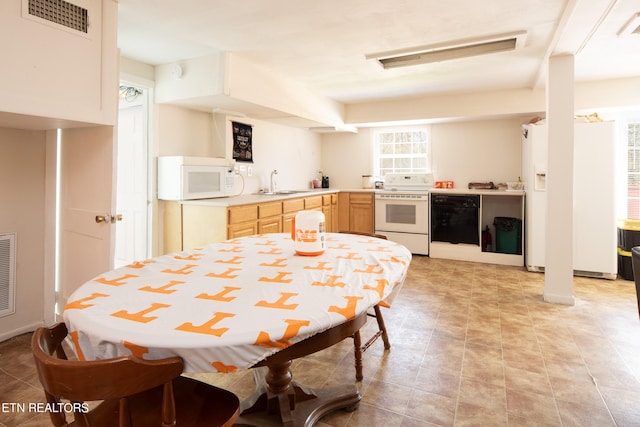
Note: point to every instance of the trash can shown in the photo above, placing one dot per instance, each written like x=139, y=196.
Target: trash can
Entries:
x=628, y=234
x=508, y=235
x=628, y=238
x=625, y=265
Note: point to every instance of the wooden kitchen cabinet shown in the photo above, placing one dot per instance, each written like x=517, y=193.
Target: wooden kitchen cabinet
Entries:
x=172, y=226
x=202, y=225
x=356, y=212
x=190, y=225
x=289, y=209
x=242, y=221
x=327, y=210
x=270, y=217
x=334, y=213
x=242, y=229
x=243, y=213
x=314, y=202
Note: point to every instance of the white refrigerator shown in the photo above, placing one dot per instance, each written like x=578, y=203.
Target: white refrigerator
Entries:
x=594, y=205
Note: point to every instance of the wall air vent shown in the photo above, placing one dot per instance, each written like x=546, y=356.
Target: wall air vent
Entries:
x=7, y=273
x=62, y=13
x=448, y=51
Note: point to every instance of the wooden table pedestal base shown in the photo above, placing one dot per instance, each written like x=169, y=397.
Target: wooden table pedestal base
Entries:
x=279, y=401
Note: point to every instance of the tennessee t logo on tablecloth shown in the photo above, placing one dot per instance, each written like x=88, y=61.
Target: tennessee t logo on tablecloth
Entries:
x=292, y=330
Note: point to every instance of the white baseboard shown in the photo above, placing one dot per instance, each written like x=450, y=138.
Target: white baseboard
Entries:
x=5, y=335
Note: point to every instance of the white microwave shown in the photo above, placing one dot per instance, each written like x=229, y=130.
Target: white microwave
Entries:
x=188, y=178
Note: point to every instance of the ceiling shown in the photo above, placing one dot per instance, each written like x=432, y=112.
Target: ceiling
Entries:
x=323, y=44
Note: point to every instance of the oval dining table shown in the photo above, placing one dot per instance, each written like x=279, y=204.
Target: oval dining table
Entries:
x=239, y=304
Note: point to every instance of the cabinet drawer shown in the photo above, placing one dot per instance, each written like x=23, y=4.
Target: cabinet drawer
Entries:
x=294, y=205
x=271, y=225
x=313, y=202
x=269, y=209
x=361, y=198
x=241, y=230
x=238, y=214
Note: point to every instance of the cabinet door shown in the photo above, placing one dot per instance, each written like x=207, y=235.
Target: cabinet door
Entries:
x=328, y=218
x=361, y=218
x=239, y=214
x=335, y=223
x=314, y=202
x=293, y=205
x=243, y=229
x=343, y=212
x=361, y=212
x=270, y=225
x=287, y=219
x=269, y=209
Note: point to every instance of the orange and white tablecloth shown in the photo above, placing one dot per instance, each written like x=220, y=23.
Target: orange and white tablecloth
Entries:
x=229, y=305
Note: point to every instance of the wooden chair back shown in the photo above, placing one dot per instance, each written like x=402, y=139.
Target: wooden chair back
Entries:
x=80, y=381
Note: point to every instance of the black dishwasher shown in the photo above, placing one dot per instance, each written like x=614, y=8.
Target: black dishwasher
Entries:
x=454, y=218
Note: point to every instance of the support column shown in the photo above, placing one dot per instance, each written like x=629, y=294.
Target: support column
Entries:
x=558, y=284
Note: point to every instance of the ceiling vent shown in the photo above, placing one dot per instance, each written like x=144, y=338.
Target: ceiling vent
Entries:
x=61, y=12
x=450, y=50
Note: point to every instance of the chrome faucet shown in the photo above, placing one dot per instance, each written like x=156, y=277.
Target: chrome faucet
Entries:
x=273, y=181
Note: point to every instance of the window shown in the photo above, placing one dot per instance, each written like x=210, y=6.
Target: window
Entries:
x=404, y=150
x=633, y=169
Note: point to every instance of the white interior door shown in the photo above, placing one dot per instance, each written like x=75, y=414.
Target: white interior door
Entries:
x=132, y=200
x=86, y=191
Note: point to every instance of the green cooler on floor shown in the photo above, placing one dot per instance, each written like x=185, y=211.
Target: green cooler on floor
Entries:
x=508, y=235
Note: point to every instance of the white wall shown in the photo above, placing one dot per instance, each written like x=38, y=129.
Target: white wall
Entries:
x=182, y=132
x=463, y=152
x=22, y=186
x=295, y=153
x=346, y=157
x=477, y=151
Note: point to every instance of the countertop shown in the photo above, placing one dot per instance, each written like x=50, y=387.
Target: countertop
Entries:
x=480, y=192
x=248, y=199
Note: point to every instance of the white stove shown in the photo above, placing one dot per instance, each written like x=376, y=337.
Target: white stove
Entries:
x=411, y=182
x=402, y=210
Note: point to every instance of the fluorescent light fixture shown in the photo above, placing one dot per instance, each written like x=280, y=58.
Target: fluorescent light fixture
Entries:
x=450, y=50
x=631, y=27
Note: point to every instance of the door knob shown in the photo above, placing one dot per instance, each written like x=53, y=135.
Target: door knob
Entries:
x=103, y=218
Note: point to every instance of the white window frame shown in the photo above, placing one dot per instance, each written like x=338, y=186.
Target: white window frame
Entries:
x=632, y=200
x=397, y=131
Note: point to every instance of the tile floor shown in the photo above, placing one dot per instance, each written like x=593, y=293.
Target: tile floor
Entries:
x=472, y=345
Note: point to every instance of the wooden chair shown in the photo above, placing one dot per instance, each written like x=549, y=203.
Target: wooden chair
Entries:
x=134, y=392
x=360, y=348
